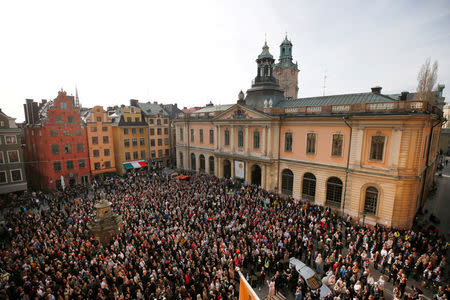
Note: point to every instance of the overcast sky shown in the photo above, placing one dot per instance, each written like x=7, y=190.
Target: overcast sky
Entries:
x=193, y=52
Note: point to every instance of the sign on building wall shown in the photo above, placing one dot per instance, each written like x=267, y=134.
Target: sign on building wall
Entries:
x=239, y=169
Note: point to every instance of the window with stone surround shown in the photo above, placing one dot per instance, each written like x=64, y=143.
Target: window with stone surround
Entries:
x=377, y=143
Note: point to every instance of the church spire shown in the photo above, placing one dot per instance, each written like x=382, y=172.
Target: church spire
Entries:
x=77, y=100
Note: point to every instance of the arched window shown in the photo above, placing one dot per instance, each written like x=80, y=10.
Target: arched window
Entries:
x=287, y=181
x=309, y=187
x=193, y=163
x=202, y=163
x=240, y=138
x=181, y=160
x=334, y=192
x=371, y=200
x=211, y=165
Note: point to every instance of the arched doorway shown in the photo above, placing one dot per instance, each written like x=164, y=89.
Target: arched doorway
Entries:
x=226, y=168
x=256, y=175
x=334, y=192
x=309, y=187
x=211, y=165
x=287, y=182
x=202, y=163
x=193, y=163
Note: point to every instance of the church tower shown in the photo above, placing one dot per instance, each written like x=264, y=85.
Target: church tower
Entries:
x=286, y=72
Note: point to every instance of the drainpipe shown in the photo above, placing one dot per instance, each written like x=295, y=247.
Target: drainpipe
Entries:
x=427, y=161
x=348, y=162
x=279, y=147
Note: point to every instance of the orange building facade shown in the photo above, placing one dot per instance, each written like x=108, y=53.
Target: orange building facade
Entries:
x=100, y=141
x=369, y=155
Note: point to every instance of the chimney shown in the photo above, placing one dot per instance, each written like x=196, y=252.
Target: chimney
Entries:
x=376, y=90
x=404, y=95
x=133, y=102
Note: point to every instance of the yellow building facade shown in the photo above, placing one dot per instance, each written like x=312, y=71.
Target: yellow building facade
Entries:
x=368, y=155
x=130, y=138
x=100, y=141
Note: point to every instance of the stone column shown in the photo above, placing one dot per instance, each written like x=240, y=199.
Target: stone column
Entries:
x=218, y=170
x=263, y=176
x=394, y=151
x=217, y=139
x=247, y=140
x=232, y=168
x=269, y=141
x=232, y=139
x=263, y=142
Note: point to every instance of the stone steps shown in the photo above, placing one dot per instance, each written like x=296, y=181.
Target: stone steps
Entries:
x=278, y=296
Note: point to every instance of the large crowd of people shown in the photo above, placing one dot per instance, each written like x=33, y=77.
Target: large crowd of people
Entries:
x=186, y=239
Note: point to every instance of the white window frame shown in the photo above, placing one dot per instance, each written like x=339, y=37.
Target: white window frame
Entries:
x=4, y=162
x=21, y=176
x=343, y=144
x=6, y=178
x=18, y=156
x=15, y=136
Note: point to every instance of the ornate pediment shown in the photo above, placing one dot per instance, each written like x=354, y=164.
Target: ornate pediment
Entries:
x=239, y=112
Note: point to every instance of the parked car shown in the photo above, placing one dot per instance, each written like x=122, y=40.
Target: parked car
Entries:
x=311, y=278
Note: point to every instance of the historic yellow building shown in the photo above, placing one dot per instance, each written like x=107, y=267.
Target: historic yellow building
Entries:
x=130, y=138
x=100, y=140
x=369, y=155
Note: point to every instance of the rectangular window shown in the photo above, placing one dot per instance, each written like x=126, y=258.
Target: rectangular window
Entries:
x=2, y=159
x=106, y=152
x=69, y=165
x=133, y=130
x=159, y=131
x=181, y=134
x=10, y=139
x=55, y=149
x=68, y=148
x=288, y=142
x=166, y=141
x=192, y=135
x=70, y=119
x=377, y=147
x=95, y=140
x=126, y=142
x=256, y=139
x=151, y=121
x=127, y=156
x=142, y=154
x=13, y=156
x=135, y=155
x=97, y=166
x=99, y=119
x=167, y=152
x=58, y=119
x=141, y=130
x=166, y=121
x=104, y=128
x=201, y=135
x=240, y=138
x=211, y=136
x=227, y=137
x=128, y=119
x=66, y=133
x=158, y=122
x=166, y=130
x=106, y=140
x=80, y=148
x=3, y=177
x=107, y=164
x=63, y=105
x=125, y=131
x=57, y=166
x=53, y=133
x=160, y=153
x=142, y=141
x=159, y=142
x=96, y=153
x=81, y=164
x=152, y=143
x=93, y=129
x=137, y=119
x=153, y=153
x=337, y=144
x=134, y=142
x=311, y=143
x=152, y=131
x=16, y=175
x=78, y=132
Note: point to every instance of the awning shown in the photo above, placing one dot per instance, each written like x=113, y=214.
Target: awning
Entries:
x=135, y=164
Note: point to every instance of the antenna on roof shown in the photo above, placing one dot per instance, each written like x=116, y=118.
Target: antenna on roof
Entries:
x=324, y=82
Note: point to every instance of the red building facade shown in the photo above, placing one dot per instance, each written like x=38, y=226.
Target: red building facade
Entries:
x=56, y=149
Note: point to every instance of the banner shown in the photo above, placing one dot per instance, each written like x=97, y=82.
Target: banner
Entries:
x=245, y=290
x=239, y=169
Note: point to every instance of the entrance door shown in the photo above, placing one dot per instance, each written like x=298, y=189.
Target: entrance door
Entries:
x=227, y=169
x=256, y=175
x=72, y=181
